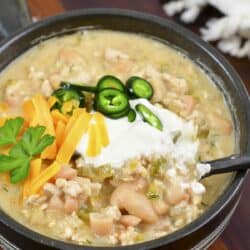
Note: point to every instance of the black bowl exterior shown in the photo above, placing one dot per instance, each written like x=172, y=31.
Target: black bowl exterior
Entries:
x=200, y=233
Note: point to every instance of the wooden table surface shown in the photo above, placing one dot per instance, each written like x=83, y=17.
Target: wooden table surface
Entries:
x=236, y=236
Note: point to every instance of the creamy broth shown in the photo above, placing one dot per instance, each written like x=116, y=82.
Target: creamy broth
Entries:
x=85, y=57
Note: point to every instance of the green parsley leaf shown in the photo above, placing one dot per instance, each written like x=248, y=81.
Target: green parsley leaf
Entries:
x=20, y=173
x=32, y=143
x=17, y=151
x=10, y=130
x=9, y=163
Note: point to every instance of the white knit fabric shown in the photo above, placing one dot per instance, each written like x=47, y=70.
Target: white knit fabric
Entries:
x=232, y=31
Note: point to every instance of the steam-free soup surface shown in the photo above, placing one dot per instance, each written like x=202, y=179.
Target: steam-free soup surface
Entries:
x=141, y=198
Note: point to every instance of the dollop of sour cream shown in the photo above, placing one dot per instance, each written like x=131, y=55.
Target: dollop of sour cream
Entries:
x=130, y=140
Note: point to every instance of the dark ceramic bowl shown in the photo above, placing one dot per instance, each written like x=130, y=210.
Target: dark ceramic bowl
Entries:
x=203, y=231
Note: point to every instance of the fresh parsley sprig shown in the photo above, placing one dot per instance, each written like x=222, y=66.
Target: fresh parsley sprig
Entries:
x=10, y=130
x=32, y=143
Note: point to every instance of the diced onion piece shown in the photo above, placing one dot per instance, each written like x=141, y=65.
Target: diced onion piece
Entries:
x=101, y=224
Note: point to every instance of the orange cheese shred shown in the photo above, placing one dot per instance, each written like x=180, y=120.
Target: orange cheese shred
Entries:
x=94, y=140
x=58, y=116
x=29, y=113
x=44, y=118
x=72, y=120
x=103, y=132
x=51, y=101
x=68, y=106
x=60, y=128
x=44, y=177
x=35, y=169
x=73, y=136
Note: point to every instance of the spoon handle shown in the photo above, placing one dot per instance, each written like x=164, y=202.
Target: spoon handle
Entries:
x=229, y=164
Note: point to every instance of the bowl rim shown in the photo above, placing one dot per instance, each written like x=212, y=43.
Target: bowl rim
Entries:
x=225, y=198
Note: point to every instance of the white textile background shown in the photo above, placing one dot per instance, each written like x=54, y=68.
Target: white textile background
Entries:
x=232, y=30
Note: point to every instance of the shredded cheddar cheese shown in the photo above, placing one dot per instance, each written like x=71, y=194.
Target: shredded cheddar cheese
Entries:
x=97, y=135
x=99, y=118
x=73, y=136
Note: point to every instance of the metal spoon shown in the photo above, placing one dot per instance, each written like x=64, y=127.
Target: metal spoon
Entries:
x=228, y=164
